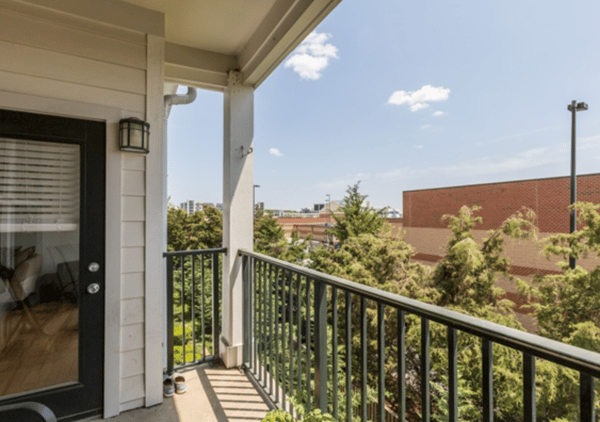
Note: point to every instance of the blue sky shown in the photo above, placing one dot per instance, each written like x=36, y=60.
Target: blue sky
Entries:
x=409, y=95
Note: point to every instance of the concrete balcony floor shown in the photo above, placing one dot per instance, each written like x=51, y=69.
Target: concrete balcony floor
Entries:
x=213, y=395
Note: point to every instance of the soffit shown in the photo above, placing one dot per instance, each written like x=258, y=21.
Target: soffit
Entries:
x=222, y=26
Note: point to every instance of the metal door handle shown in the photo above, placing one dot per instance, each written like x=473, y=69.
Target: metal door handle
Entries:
x=93, y=288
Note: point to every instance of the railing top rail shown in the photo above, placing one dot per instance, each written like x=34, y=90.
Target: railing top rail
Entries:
x=195, y=252
x=564, y=354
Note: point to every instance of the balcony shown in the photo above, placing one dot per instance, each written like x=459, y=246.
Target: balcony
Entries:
x=317, y=341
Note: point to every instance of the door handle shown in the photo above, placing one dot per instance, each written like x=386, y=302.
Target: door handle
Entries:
x=93, y=288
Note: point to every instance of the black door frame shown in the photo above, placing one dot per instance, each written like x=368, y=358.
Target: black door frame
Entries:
x=86, y=397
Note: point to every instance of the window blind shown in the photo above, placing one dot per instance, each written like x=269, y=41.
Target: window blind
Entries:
x=39, y=186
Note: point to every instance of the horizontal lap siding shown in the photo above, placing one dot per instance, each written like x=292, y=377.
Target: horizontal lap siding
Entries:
x=58, y=61
x=61, y=57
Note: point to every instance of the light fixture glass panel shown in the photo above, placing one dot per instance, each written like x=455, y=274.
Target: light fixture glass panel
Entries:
x=136, y=136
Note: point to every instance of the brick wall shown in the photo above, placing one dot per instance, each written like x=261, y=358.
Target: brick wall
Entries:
x=549, y=198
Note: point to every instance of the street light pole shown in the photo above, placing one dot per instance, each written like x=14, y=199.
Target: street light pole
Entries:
x=574, y=107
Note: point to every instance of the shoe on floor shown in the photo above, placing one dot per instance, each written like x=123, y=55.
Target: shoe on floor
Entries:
x=168, y=388
x=180, y=386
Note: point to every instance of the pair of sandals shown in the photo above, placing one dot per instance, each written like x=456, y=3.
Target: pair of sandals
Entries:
x=172, y=386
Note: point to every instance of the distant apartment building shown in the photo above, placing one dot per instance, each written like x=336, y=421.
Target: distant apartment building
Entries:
x=260, y=206
x=190, y=206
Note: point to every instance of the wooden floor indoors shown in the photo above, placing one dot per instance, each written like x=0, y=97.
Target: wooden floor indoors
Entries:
x=35, y=359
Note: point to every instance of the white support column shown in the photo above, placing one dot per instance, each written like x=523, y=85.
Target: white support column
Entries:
x=237, y=209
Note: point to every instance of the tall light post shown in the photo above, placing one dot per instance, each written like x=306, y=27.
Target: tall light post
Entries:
x=254, y=198
x=574, y=107
x=328, y=217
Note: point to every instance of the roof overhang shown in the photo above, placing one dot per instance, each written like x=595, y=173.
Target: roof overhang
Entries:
x=205, y=39
x=280, y=30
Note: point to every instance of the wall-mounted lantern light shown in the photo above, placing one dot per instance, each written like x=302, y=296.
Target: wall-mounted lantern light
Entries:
x=134, y=135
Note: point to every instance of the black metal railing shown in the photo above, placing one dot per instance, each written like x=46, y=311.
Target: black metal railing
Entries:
x=193, y=306
x=296, y=349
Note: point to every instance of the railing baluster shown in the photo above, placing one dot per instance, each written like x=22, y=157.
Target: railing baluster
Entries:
x=308, y=347
x=529, y=387
x=246, y=309
x=202, y=318
x=183, y=308
x=170, y=316
x=363, y=357
x=488, y=380
x=348, y=356
x=299, y=331
x=283, y=377
x=586, y=397
x=215, y=301
x=381, y=359
x=320, y=345
x=452, y=376
x=270, y=323
x=264, y=323
x=275, y=371
x=256, y=292
x=334, y=345
x=425, y=398
x=193, y=257
x=401, y=366
x=291, y=335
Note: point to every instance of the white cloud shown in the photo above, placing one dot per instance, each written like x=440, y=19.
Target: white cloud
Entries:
x=312, y=56
x=275, y=152
x=418, y=106
x=421, y=98
x=438, y=113
x=423, y=127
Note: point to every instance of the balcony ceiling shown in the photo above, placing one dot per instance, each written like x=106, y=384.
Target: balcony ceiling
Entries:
x=220, y=26
x=205, y=39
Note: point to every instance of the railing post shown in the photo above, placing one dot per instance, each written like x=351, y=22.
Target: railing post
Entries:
x=170, y=315
x=215, y=311
x=321, y=345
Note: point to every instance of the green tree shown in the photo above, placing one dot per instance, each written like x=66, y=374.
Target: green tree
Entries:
x=463, y=281
x=567, y=307
x=269, y=239
x=570, y=301
x=467, y=274
x=200, y=230
x=357, y=218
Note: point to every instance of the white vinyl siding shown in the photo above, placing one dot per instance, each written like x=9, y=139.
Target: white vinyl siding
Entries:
x=60, y=57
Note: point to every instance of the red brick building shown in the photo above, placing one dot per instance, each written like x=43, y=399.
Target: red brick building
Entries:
x=549, y=198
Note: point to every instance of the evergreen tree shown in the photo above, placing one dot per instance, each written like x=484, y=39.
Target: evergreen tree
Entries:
x=200, y=230
x=356, y=218
x=269, y=239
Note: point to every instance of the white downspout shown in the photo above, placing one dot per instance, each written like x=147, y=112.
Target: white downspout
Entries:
x=171, y=100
